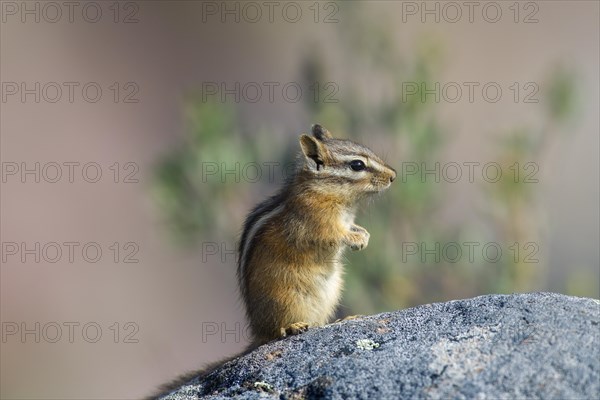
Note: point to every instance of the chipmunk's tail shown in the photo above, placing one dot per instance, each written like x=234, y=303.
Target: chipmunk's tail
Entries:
x=168, y=387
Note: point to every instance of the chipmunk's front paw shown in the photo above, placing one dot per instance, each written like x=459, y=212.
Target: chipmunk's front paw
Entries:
x=294, y=329
x=357, y=238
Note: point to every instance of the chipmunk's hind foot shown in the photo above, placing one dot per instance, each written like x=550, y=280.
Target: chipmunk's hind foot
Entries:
x=294, y=329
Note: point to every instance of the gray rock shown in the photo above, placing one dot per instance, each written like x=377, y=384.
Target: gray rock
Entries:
x=521, y=346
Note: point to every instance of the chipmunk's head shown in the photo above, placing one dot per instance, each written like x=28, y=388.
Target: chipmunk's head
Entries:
x=344, y=166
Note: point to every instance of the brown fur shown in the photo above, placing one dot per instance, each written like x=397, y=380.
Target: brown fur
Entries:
x=292, y=277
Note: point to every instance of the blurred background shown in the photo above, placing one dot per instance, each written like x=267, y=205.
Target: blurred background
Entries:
x=135, y=137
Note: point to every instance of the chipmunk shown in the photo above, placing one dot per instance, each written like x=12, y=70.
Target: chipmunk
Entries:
x=289, y=267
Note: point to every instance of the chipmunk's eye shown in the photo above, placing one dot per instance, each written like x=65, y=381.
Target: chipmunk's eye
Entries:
x=357, y=165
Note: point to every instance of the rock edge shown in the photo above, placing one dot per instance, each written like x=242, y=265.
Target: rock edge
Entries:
x=536, y=345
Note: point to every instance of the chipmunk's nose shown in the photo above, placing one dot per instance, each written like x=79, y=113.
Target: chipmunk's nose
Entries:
x=393, y=176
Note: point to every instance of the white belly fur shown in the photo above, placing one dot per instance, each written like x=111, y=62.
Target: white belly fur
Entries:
x=328, y=289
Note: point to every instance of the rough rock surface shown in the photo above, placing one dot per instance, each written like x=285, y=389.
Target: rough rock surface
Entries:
x=522, y=346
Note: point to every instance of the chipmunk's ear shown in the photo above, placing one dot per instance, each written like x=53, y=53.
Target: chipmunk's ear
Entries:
x=320, y=132
x=313, y=151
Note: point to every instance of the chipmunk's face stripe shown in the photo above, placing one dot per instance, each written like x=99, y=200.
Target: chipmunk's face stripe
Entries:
x=341, y=166
x=252, y=232
x=352, y=157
